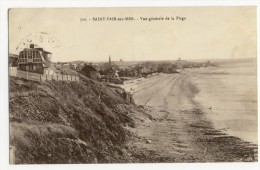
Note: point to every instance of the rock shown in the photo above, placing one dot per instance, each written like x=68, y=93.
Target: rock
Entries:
x=95, y=160
x=148, y=141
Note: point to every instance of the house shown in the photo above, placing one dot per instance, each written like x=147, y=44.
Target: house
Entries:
x=112, y=76
x=66, y=65
x=73, y=66
x=90, y=72
x=111, y=73
x=34, y=59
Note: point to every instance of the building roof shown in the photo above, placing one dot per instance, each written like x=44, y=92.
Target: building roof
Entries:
x=13, y=56
x=36, y=49
x=88, y=68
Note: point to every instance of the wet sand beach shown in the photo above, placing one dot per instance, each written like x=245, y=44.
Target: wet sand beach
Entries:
x=180, y=127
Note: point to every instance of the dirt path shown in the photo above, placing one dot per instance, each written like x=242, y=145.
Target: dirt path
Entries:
x=178, y=130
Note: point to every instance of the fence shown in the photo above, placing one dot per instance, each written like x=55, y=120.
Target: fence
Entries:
x=12, y=155
x=41, y=77
x=12, y=71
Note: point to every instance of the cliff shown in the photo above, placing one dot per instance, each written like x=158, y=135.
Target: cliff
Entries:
x=69, y=122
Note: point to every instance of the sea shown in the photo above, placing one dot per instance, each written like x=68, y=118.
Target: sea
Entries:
x=228, y=96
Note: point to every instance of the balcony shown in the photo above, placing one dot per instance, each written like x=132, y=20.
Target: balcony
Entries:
x=29, y=60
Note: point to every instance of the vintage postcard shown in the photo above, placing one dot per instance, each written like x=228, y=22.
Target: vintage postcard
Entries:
x=133, y=85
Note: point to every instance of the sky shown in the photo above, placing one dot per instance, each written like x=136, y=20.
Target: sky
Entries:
x=205, y=33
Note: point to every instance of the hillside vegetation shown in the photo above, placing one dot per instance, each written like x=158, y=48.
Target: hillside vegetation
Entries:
x=69, y=122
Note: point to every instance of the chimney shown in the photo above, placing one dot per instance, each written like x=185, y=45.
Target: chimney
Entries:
x=31, y=45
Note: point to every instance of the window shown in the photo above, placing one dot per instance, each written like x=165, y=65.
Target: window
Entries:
x=30, y=55
x=34, y=67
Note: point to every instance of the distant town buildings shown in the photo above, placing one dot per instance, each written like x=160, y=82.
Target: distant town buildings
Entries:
x=36, y=59
x=111, y=71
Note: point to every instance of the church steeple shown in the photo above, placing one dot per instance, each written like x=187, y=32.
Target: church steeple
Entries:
x=109, y=60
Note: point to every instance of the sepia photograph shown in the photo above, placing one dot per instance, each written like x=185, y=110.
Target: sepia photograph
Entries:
x=97, y=85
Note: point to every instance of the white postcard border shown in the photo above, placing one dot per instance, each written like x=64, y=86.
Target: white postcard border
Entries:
x=4, y=115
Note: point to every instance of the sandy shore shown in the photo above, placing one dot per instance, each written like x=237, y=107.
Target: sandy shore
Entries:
x=178, y=129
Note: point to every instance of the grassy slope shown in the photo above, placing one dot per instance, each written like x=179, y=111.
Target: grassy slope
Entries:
x=68, y=122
